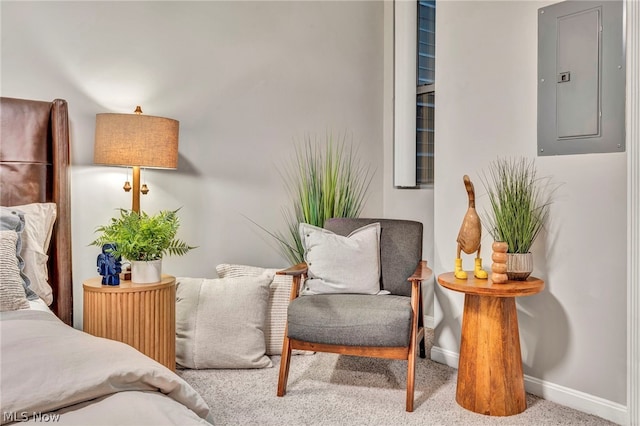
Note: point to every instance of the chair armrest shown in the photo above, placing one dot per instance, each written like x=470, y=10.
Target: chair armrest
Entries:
x=295, y=270
x=421, y=273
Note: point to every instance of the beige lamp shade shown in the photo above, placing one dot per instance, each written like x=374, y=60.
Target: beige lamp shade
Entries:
x=136, y=140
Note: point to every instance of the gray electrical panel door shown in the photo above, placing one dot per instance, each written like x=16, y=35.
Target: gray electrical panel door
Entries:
x=581, y=78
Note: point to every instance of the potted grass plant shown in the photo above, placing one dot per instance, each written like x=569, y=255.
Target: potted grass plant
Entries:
x=324, y=180
x=143, y=240
x=519, y=207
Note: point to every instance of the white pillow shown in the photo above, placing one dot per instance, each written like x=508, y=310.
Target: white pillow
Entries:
x=39, y=305
x=220, y=322
x=279, y=295
x=339, y=264
x=36, y=236
x=12, y=294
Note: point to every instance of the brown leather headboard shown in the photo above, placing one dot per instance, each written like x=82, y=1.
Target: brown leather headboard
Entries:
x=34, y=168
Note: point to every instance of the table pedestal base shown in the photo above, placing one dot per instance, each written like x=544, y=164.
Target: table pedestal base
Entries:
x=490, y=379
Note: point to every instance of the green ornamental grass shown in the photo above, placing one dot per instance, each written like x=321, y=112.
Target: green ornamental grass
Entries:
x=519, y=202
x=324, y=180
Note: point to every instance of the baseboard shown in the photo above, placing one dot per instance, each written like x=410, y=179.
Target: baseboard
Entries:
x=568, y=397
x=444, y=356
x=429, y=321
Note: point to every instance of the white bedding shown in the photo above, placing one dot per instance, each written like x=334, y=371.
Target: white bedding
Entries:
x=49, y=367
x=39, y=305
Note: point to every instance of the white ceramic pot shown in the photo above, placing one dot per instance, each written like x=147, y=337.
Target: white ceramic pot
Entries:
x=146, y=272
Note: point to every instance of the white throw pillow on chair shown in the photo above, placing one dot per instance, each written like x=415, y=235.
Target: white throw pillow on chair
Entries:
x=339, y=264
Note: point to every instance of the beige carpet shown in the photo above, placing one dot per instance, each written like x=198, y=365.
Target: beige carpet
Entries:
x=328, y=389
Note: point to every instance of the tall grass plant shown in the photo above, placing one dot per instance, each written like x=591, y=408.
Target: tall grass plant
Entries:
x=519, y=202
x=324, y=179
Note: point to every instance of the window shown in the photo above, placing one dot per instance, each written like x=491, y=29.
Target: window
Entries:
x=413, y=92
x=425, y=92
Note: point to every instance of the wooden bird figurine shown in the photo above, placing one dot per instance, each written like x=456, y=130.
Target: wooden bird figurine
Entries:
x=469, y=236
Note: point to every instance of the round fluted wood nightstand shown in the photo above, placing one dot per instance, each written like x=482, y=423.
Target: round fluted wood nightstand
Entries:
x=140, y=315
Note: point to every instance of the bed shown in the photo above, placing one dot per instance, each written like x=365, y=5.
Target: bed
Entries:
x=49, y=371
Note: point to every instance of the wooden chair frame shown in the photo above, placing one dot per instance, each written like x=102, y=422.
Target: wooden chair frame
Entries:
x=422, y=272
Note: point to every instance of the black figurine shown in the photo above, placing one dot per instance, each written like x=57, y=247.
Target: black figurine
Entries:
x=109, y=266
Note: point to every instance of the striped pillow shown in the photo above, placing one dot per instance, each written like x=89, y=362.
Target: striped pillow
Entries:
x=279, y=293
x=12, y=294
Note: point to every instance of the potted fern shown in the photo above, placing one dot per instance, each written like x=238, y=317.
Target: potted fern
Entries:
x=519, y=208
x=143, y=240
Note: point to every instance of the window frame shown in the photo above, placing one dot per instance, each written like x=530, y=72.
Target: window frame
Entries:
x=405, y=94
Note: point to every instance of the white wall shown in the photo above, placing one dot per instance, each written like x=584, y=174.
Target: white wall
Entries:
x=574, y=333
x=245, y=79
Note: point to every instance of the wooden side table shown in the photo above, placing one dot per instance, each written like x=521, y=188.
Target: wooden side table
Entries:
x=490, y=378
x=141, y=315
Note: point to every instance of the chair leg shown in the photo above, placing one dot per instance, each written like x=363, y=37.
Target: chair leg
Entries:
x=416, y=321
x=284, y=366
x=423, y=349
x=411, y=375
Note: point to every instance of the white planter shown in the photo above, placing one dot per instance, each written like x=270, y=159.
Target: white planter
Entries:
x=146, y=272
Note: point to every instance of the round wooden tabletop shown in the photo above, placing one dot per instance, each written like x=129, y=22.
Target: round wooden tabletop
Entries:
x=473, y=285
x=95, y=285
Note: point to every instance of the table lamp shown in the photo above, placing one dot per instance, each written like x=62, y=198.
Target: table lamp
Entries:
x=136, y=140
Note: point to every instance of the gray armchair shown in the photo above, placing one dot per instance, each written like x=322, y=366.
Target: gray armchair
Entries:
x=389, y=326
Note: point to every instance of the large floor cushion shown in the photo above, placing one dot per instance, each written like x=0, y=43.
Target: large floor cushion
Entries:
x=279, y=295
x=220, y=322
x=348, y=319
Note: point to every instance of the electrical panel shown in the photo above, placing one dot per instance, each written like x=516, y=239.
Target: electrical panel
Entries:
x=581, y=78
